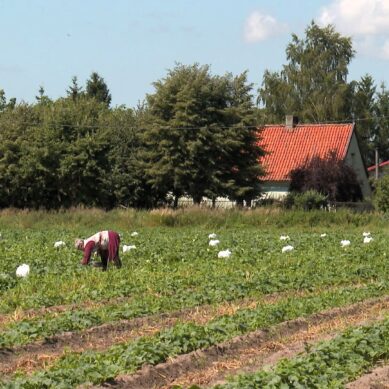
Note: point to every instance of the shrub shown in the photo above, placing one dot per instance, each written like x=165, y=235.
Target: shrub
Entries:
x=307, y=201
x=382, y=194
x=329, y=176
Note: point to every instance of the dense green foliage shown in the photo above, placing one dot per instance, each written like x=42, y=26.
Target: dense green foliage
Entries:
x=382, y=194
x=308, y=200
x=313, y=84
x=201, y=136
x=195, y=136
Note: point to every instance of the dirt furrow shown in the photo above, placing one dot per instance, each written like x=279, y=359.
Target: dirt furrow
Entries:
x=378, y=378
x=39, y=354
x=252, y=351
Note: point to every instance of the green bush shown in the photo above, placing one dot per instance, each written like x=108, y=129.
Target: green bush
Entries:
x=311, y=199
x=382, y=194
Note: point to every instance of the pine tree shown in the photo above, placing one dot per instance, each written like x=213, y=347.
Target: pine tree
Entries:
x=97, y=88
x=74, y=91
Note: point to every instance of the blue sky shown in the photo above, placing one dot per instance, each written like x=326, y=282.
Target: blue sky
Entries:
x=131, y=44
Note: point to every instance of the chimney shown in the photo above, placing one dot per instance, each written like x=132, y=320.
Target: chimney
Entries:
x=291, y=121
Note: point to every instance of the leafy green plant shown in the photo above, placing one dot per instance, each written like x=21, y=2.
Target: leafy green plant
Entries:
x=381, y=197
x=307, y=201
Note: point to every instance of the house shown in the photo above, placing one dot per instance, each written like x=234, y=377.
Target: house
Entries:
x=383, y=169
x=290, y=145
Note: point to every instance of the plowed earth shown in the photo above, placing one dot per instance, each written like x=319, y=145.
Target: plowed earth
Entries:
x=206, y=367
x=253, y=351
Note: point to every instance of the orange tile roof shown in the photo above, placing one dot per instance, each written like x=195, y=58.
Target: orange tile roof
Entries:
x=288, y=148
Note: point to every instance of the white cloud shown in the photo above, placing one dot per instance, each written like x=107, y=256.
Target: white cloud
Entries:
x=259, y=27
x=385, y=50
x=367, y=21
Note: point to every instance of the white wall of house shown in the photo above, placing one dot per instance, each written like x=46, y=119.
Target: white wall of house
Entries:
x=354, y=159
x=275, y=189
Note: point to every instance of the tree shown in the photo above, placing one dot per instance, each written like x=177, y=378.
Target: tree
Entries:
x=97, y=88
x=382, y=195
x=329, y=176
x=381, y=136
x=74, y=91
x=242, y=177
x=11, y=103
x=3, y=100
x=364, y=109
x=196, y=135
x=313, y=85
x=42, y=98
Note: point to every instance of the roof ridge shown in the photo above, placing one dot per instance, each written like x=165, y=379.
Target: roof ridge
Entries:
x=310, y=124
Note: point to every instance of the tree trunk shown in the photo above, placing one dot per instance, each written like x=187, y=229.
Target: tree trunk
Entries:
x=197, y=199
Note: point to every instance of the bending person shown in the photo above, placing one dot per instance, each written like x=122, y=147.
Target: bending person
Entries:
x=104, y=243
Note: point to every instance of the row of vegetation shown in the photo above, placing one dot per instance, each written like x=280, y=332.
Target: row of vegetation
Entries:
x=172, y=270
x=330, y=364
x=196, y=134
x=97, y=367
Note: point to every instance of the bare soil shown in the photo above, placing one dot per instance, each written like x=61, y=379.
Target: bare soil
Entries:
x=378, y=378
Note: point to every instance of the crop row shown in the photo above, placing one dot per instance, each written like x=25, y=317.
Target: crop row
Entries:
x=97, y=367
x=330, y=364
x=29, y=330
x=181, y=265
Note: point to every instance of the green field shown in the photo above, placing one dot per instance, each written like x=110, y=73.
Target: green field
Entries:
x=173, y=268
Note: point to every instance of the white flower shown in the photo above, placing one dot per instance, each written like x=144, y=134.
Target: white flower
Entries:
x=214, y=242
x=323, y=235
x=287, y=248
x=366, y=234
x=284, y=237
x=345, y=243
x=22, y=270
x=59, y=244
x=212, y=236
x=134, y=234
x=367, y=239
x=128, y=248
x=224, y=254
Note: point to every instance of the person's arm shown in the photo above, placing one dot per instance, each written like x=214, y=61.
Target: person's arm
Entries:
x=88, y=249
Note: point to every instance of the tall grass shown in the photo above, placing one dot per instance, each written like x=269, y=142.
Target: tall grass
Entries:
x=127, y=219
